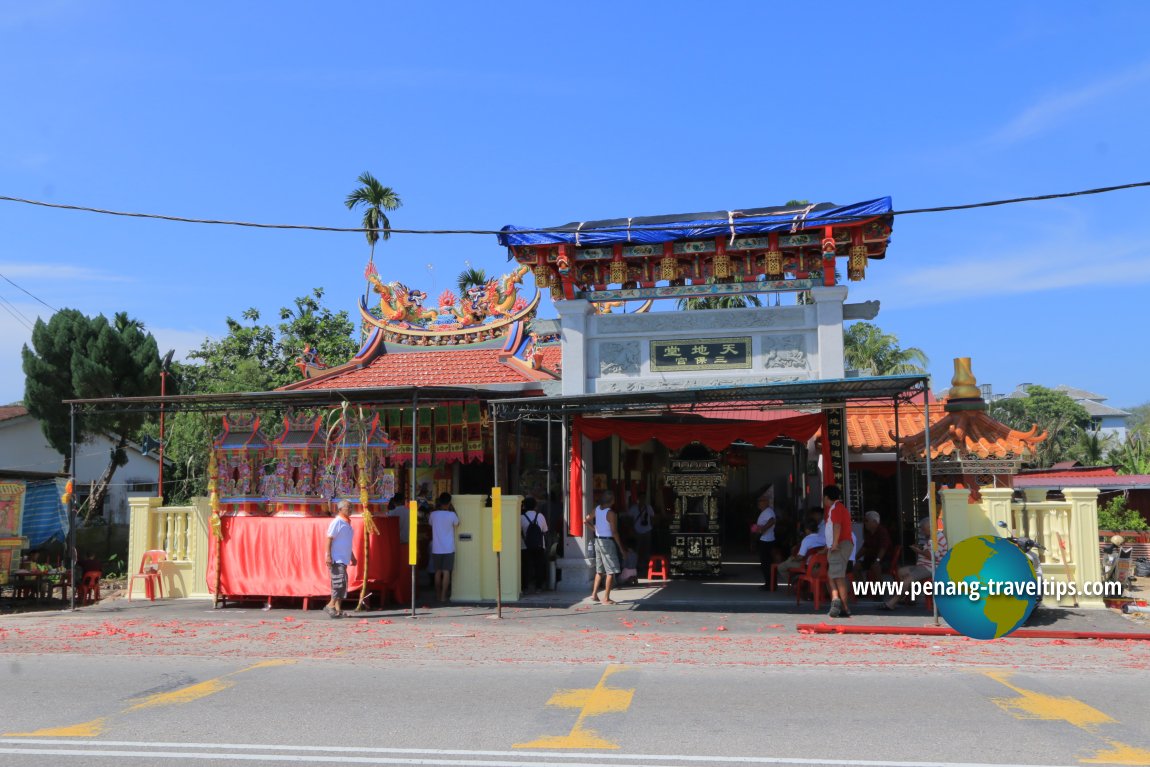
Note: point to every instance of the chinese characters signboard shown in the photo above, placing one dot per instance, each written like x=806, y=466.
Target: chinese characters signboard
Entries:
x=701, y=354
x=836, y=446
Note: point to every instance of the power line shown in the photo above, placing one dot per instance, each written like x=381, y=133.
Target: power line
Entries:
x=17, y=315
x=808, y=221
x=13, y=284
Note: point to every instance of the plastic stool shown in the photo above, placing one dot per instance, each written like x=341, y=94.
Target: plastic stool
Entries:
x=657, y=568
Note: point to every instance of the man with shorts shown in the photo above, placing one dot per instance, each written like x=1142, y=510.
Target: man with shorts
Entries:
x=339, y=556
x=443, y=522
x=608, y=548
x=840, y=545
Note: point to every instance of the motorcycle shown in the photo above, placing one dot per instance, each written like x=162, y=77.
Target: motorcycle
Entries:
x=1030, y=548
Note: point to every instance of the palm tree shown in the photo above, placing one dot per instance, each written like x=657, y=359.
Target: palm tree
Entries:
x=690, y=303
x=374, y=198
x=470, y=278
x=869, y=350
x=1132, y=456
x=1092, y=447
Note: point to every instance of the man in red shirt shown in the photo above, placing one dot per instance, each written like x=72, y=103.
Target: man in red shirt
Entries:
x=840, y=544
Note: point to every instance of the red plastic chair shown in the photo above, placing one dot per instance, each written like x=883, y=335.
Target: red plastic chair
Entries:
x=815, y=576
x=88, y=589
x=150, y=573
x=657, y=568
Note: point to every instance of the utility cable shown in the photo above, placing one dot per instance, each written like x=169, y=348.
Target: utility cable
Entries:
x=808, y=221
x=17, y=315
x=13, y=284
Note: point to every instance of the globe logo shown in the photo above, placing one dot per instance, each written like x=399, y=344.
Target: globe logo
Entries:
x=985, y=587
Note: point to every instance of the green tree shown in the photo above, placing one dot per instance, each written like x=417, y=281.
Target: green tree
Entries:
x=1139, y=421
x=77, y=357
x=470, y=278
x=1092, y=447
x=1114, y=516
x=259, y=357
x=374, y=198
x=691, y=303
x=1063, y=420
x=1132, y=456
x=869, y=350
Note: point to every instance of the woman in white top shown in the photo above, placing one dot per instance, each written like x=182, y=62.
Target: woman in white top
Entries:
x=765, y=527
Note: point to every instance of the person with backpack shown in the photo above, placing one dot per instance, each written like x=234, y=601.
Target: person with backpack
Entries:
x=533, y=546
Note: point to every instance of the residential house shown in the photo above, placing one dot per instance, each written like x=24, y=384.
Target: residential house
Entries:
x=24, y=448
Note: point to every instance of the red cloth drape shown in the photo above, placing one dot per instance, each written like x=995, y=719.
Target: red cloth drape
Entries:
x=575, y=483
x=715, y=435
x=284, y=557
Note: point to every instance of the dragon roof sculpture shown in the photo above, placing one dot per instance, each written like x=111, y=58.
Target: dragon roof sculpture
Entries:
x=482, y=313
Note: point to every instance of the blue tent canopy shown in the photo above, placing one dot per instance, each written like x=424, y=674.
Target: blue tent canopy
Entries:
x=693, y=226
x=45, y=518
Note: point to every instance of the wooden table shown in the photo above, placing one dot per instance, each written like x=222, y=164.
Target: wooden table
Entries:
x=36, y=580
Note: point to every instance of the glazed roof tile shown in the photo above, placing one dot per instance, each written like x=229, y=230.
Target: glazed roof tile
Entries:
x=8, y=412
x=446, y=367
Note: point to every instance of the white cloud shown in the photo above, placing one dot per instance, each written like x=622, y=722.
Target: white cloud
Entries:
x=1050, y=111
x=1070, y=262
x=42, y=271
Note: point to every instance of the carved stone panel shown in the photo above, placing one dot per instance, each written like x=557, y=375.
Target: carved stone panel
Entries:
x=786, y=352
x=619, y=358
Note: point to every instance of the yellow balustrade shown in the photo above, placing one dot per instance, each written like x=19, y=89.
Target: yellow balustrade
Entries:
x=1072, y=521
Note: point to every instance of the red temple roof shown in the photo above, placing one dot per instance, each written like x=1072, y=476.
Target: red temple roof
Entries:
x=447, y=367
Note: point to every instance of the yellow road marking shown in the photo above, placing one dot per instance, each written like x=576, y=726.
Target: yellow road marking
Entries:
x=189, y=694
x=596, y=701
x=83, y=730
x=1035, y=705
x=1120, y=753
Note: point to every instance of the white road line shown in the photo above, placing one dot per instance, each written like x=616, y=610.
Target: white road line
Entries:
x=344, y=754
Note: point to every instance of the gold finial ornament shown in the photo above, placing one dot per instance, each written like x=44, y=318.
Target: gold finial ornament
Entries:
x=963, y=385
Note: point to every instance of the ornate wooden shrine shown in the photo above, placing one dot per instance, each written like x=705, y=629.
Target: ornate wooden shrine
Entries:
x=695, y=477
x=785, y=248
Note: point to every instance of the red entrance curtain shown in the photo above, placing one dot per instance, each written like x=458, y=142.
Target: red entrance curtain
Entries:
x=715, y=435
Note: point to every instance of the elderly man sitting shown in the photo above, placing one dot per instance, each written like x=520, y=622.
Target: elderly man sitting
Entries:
x=874, y=556
x=921, y=569
x=813, y=541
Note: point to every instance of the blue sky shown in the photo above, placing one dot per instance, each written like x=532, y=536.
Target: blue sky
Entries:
x=485, y=114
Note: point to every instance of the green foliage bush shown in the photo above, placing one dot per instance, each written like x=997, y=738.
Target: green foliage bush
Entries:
x=1115, y=516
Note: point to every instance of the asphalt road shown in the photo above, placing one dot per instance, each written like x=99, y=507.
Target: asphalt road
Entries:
x=600, y=688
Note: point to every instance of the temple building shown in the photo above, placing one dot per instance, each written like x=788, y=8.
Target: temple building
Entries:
x=698, y=411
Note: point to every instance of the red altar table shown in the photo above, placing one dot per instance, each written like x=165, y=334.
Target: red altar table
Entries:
x=285, y=557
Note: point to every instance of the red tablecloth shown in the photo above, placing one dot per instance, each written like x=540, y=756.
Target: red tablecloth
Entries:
x=284, y=557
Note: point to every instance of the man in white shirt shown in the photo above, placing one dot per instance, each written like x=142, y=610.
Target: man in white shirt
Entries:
x=765, y=528
x=812, y=541
x=340, y=554
x=443, y=522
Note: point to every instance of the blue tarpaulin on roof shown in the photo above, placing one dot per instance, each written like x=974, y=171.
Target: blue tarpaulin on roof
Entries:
x=45, y=518
x=692, y=226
